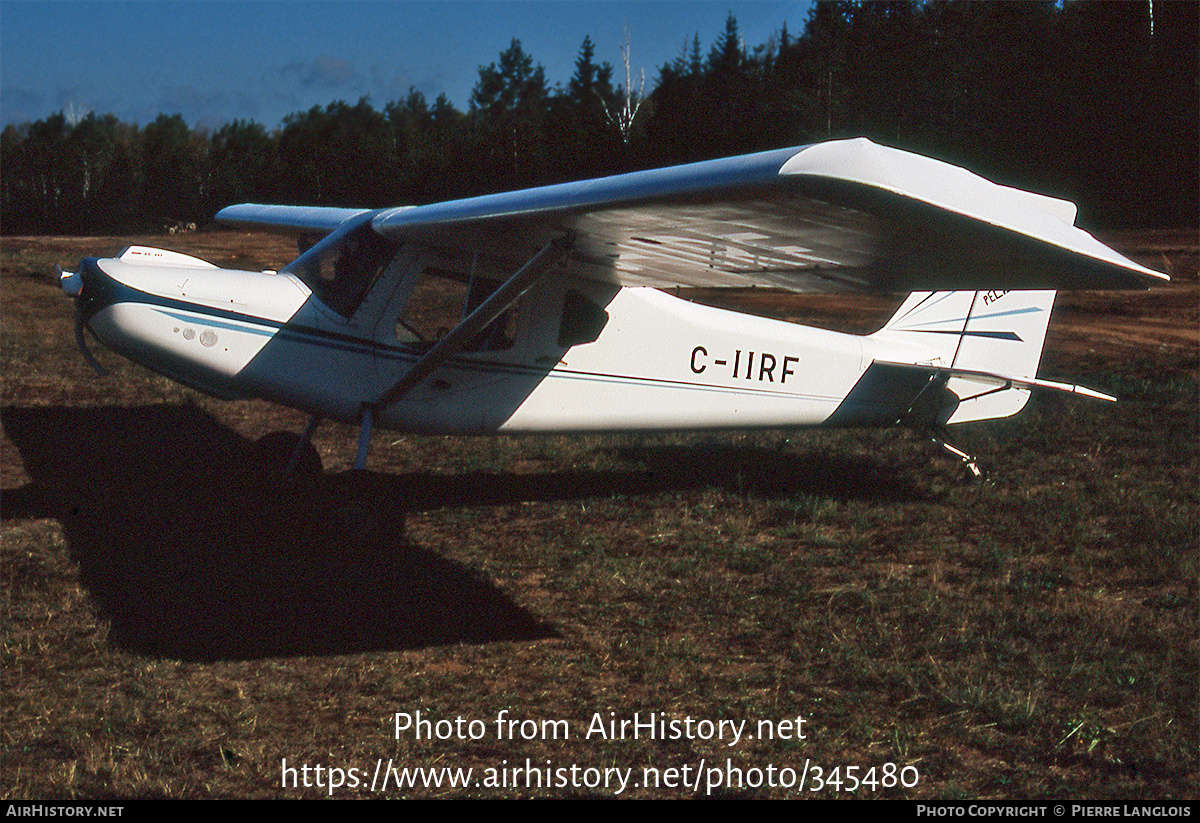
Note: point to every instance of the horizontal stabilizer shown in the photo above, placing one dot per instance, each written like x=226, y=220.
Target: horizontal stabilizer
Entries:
x=999, y=382
x=929, y=397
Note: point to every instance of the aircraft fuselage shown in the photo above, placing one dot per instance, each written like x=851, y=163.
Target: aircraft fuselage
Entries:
x=579, y=355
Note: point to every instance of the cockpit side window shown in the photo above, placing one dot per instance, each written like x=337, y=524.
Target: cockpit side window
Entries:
x=437, y=303
x=434, y=306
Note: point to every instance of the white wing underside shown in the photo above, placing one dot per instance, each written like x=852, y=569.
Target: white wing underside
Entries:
x=843, y=215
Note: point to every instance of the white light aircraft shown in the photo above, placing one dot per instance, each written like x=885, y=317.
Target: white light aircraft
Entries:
x=542, y=311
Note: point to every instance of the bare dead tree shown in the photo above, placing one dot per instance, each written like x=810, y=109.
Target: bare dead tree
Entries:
x=622, y=119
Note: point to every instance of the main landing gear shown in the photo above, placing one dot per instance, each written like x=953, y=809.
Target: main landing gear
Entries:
x=289, y=456
x=292, y=457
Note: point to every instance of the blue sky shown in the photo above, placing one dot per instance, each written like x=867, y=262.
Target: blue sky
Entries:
x=217, y=60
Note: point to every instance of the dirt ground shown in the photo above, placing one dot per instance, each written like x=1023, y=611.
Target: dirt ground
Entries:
x=865, y=622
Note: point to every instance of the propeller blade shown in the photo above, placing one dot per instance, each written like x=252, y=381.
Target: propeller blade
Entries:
x=82, y=343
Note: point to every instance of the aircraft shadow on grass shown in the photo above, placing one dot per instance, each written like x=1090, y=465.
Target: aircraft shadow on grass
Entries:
x=193, y=553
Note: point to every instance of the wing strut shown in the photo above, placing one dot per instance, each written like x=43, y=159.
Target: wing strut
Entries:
x=461, y=335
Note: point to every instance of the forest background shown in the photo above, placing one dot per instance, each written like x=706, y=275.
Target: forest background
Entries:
x=1089, y=100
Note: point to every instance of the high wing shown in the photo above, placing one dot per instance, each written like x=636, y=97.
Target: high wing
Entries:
x=841, y=215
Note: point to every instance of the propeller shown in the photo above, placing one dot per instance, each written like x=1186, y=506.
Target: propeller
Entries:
x=71, y=282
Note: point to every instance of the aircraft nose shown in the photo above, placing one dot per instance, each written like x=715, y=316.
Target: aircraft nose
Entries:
x=88, y=286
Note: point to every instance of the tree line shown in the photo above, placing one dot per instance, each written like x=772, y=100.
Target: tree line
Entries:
x=1089, y=100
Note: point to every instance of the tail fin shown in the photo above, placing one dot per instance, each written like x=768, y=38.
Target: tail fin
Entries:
x=992, y=333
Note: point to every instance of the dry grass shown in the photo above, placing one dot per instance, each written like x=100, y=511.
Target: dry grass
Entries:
x=174, y=626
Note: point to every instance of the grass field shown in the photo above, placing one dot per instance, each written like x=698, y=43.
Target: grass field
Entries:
x=176, y=626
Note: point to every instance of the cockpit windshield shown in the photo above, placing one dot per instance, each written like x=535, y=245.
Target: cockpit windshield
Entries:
x=342, y=268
